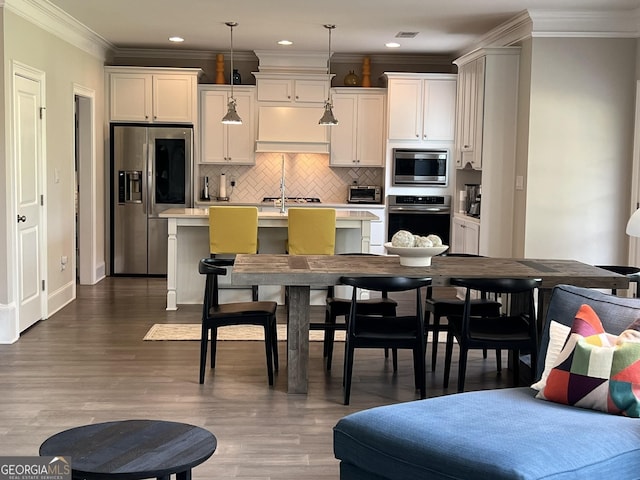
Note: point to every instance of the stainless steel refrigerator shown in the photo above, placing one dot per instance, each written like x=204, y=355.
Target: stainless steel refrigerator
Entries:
x=151, y=172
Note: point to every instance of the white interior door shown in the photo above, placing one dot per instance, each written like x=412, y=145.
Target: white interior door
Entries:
x=28, y=142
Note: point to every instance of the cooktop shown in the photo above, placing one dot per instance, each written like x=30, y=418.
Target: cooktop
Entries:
x=292, y=199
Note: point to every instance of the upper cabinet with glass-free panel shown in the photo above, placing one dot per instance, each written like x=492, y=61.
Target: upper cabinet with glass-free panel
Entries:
x=299, y=88
x=358, y=139
x=421, y=107
x=227, y=144
x=162, y=95
x=470, y=114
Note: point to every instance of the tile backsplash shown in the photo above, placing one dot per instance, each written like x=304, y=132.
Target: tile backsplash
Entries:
x=306, y=175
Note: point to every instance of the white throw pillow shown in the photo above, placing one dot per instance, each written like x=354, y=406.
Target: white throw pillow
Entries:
x=558, y=334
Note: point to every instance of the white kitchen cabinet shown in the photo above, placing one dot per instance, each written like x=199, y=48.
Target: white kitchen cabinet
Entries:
x=358, y=139
x=227, y=144
x=491, y=140
x=466, y=235
x=421, y=107
x=291, y=90
x=470, y=109
x=149, y=95
x=378, y=227
x=289, y=107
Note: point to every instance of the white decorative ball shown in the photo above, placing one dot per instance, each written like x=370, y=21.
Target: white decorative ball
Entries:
x=402, y=238
x=423, y=242
x=435, y=240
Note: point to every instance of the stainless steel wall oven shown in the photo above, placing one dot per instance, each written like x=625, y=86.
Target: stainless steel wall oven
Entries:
x=420, y=215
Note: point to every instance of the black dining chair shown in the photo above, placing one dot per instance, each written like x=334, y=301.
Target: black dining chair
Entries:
x=216, y=314
x=439, y=307
x=382, y=331
x=338, y=307
x=514, y=331
x=632, y=273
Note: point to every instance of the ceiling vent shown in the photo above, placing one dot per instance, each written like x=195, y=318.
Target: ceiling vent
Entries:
x=406, y=34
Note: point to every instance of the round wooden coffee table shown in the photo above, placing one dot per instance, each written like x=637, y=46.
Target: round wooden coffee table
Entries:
x=132, y=449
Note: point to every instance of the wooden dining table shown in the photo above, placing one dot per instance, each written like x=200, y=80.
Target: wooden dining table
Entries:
x=301, y=272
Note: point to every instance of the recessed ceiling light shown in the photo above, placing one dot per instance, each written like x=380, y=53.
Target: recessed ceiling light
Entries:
x=176, y=39
x=392, y=45
x=285, y=42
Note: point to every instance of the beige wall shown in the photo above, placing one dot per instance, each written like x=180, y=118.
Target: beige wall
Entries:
x=64, y=66
x=247, y=62
x=580, y=149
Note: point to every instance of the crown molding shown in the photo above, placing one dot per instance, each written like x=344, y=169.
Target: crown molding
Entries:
x=246, y=56
x=510, y=32
x=393, y=59
x=609, y=24
x=57, y=22
x=561, y=24
x=202, y=55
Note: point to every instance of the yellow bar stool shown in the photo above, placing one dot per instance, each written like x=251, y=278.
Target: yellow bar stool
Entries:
x=311, y=231
x=233, y=230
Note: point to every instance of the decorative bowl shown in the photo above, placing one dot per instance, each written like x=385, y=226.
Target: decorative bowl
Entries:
x=415, y=256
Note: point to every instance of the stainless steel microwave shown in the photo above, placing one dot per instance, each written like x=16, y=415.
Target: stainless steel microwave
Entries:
x=420, y=167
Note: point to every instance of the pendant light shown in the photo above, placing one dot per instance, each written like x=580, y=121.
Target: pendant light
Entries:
x=328, y=117
x=232, y=117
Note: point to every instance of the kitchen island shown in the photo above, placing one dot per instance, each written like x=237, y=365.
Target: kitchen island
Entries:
x=187, y=245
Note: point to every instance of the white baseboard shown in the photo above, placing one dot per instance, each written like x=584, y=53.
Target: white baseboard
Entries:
x=60, y=298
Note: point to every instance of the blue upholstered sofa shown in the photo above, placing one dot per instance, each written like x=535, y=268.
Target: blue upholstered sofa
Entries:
x=498, y=434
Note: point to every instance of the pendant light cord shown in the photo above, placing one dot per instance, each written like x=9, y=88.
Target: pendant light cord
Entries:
x=329, y=27
x=231, y=25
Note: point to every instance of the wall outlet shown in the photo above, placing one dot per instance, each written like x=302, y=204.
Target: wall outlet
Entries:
x=233, y=182
x=63, y=263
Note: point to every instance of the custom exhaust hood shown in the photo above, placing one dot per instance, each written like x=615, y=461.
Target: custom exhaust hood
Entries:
x=291, y=91
x=291, y=130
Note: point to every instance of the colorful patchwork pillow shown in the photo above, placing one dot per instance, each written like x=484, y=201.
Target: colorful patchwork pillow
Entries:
x=597, y=370
x=558, y=333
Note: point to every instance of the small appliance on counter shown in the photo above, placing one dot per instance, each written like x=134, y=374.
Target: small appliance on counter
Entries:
x=205, y=190
x=364, y=194
x=474, y=194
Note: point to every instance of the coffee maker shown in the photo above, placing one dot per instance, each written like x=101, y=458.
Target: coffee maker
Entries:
x=474, y=194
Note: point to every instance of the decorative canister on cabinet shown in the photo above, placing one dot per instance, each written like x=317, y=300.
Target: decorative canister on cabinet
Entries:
x=237, y=79
x=219, y=68
x=366, y=72
x=351, y=79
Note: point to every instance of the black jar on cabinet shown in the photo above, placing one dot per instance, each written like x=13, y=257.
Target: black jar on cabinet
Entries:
x=237, y=79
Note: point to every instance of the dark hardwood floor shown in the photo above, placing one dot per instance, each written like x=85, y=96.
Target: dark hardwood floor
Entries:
x=88, y=363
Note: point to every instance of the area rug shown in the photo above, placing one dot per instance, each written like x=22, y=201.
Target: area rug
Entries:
x=191, y=331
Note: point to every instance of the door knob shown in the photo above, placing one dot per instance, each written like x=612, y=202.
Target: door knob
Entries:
x=22, y=218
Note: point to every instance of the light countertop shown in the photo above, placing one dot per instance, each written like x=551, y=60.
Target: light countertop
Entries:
x=204, y=213
x=372, y=206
